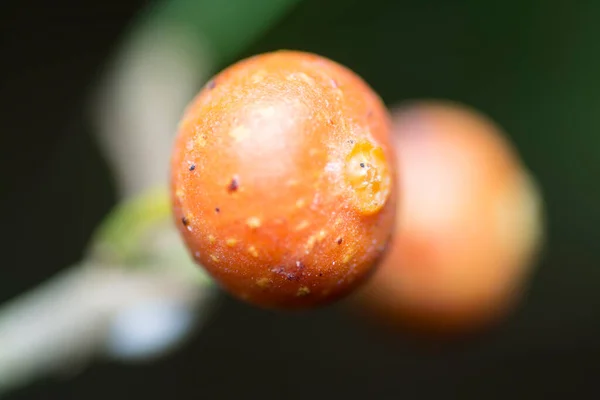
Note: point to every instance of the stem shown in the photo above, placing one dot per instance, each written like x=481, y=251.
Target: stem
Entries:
x=67, y=319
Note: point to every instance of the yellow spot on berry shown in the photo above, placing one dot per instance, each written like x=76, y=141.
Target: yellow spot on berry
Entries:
x=263, y=283
x=302, y=225
x=214, y=258
x=201, y=140
x=310, y=243
x=302, y=76
x=303, y=291
x=211, y=239
x=347, y=257
x=258, y=77
x=253, y=222
x=300, y=203
x=253, y=252
x=369, y=177
x=231, y=242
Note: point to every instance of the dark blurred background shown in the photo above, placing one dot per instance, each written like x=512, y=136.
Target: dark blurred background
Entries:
x=531, y=65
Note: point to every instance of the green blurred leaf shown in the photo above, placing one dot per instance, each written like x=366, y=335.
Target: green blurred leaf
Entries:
x=227, y=26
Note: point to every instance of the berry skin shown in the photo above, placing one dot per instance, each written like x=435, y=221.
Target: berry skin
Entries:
x=292, y=197
x=469, y=228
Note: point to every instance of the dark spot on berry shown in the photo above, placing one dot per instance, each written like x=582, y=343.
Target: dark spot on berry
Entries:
x=300, y=264
x=185, y=221
x=211, y=84
x=290, y=276
x=362, y=164
x=320, y=274
x=369, y=113
x=217, y=210
x=339, y=240
x=351, y=141
x=192, y=167
x=234, y=184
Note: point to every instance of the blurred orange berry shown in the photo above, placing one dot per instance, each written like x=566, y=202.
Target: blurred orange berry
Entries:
x=469, y=227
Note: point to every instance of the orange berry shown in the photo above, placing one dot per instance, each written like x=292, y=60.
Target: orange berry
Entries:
x=468, y=229
x=283, y=179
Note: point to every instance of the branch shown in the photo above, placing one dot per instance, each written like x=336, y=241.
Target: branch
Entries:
x=68, y=319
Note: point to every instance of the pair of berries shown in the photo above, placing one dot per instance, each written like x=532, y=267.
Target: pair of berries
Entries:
x=290, y=180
